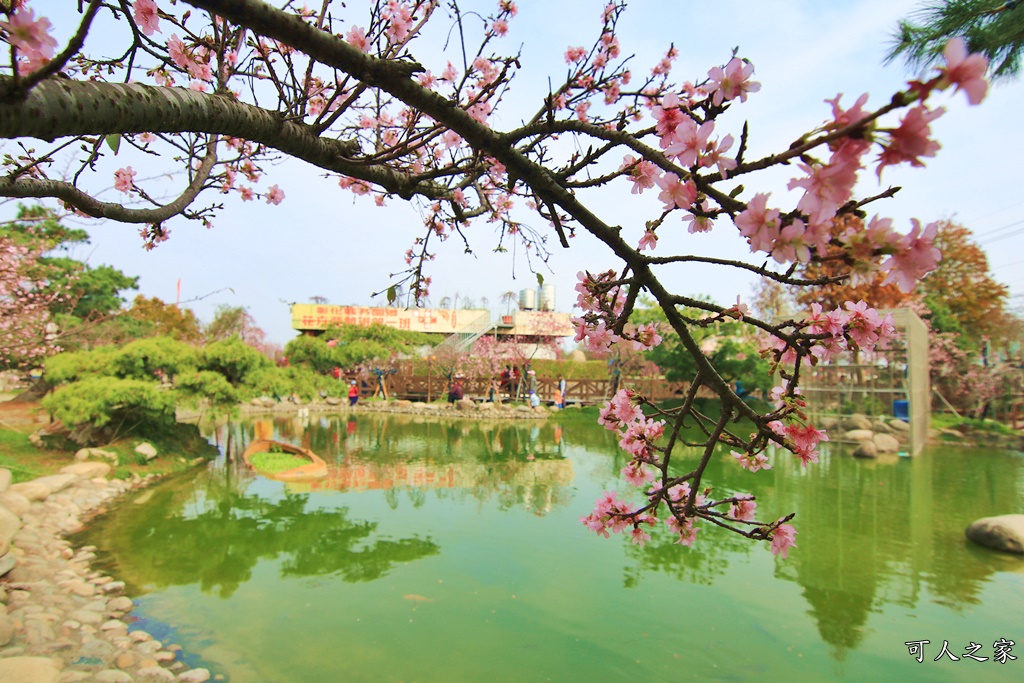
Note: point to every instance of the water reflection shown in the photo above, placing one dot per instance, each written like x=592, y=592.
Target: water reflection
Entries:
x=872, y=533
x=482, y=519
x=206, y=528
x=513, y=464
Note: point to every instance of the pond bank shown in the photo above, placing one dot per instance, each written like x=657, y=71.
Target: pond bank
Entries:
x=60, y=620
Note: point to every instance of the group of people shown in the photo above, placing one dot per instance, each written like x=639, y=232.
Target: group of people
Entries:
x=511, y=385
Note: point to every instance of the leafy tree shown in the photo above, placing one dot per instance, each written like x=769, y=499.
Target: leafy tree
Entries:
x=111, y=406
x=994, y=28
x=961, y=293
x=726, y=341
x=233, y=359
x=365, y=101
x=155, y=318
x=81, y=291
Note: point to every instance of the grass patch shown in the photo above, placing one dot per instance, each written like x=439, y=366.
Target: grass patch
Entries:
x=24, y=460
x=275, y=462
x=967, y=425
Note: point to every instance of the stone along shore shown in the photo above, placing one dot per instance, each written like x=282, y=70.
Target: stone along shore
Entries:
x=61, y=621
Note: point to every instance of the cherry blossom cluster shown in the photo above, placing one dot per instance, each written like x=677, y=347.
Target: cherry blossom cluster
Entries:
x=29, y=37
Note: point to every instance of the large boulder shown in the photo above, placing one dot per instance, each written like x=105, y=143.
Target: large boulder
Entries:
x=899, y=426
x=1005, y=532
x=87, y=470
x=858, y=435
x=32, y=490
x=56, y=482
x=29, y=670
x=866, y=449
x=857, y=421
x=886, y=443
x=15, y=502
x=146, y=450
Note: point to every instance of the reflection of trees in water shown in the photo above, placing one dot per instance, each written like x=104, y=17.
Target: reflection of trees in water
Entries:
x=514, y=463
x=872, y=533
x=702, y=564
x=203, y=529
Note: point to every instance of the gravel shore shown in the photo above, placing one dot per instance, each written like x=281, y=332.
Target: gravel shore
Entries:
x=60, y=620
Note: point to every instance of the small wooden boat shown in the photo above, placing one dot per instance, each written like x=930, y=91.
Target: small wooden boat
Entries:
x=315, y=469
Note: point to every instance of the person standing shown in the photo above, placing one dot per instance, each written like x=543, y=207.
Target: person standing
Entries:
x=353, y=393
x=561, y=388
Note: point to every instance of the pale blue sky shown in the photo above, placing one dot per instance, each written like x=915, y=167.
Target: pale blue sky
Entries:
x=320, y=241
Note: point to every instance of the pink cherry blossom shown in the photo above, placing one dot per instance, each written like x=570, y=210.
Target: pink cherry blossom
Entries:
x=648, y=241
x=743, y=510
x=783, y=538
x=687, y=532
x=668, y=115
x=966, y=72
x=275, y=195
x=146, y=16
x=731, y=82
x=123, y=179
x=642, y=173
x=688, y=139
x=575, y=54
x=646, y=337
x=918, y=257
x=758, y=223
x=752, y=463
x=912, y=140
x=28, y=34
x=356, y=37
x=675, y=193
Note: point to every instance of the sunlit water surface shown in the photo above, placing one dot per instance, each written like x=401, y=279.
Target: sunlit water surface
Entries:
x=453, y=552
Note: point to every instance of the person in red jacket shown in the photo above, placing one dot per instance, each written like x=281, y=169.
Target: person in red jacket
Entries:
x=353, y=393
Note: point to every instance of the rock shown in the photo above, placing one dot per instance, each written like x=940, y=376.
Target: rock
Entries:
x=866, y=449
x=886, y=443
x=29, y=670
x=112, y=676
x=32, y=490
x=7, y=563
x=154, y=673
x=403, y=403
x=524, y=408
x=15, y=502
x=6, y=629
x=9, y=525
x=87, y=470
x=880, y=426
x=1005, y=532
x=56, y=482
x=857, y=421
x=146, y=450
x=257, y=402
x=268, y=402
x=5, y=479
x=70, y=676
x=125, y=660
x=121, y=604
x=899, y=426
x=465, y=404
x=332, y=401
x=194, y=676
x=858, y=435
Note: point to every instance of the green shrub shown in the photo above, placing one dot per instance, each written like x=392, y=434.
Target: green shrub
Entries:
x=232, y=358
x=112, y=405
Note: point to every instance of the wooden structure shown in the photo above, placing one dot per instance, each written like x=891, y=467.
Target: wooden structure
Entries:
x=406, y=385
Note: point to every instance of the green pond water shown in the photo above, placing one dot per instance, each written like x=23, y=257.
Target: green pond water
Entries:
x=452, y=551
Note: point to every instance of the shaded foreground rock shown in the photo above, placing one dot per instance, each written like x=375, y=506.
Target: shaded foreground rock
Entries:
x=1005, y=533
x=60, y=621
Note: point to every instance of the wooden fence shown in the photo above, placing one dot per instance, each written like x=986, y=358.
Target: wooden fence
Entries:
x=585, y=391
